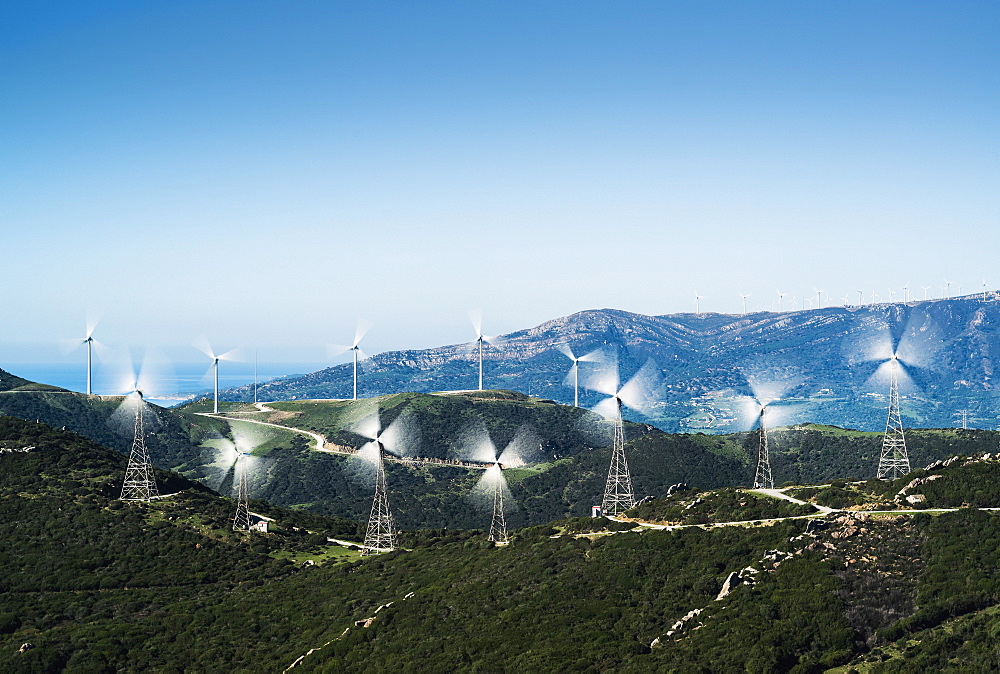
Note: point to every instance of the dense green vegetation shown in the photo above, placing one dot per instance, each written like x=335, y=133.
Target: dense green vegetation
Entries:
x=721, y=505
x=94, y=584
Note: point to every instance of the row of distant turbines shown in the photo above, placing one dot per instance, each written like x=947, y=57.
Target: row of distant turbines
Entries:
x=820, y=298
x=357, y=354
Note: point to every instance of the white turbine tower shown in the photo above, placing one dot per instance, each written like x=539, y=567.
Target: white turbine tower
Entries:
x=89, y=341
x=594, y=356
x=745, y=296
x=477, y=323
x=67, y=346
x=637, y=394
x=356, y=351
x=205, y=347
x=697, y=303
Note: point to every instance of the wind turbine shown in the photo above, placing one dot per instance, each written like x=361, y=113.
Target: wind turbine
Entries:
x=761, y=406
x=984, y=290
x=636, y=394
x=926, y=288
x=781, y=295
x=594, y=356
x=206, y=348
x=819, y=298
x=140, y=480
x=697, y=303
x=89, y=341
x=948, y=284
x=762, y=478
x=70, y=345
x=477, y=323
x=358, y=354
x=913, y=348
x=861, y=298
x=745, y=302
x=493, y=484
x=238, y=453
x=381, y=534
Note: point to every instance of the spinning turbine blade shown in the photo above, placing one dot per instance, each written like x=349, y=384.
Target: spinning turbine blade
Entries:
x=92, y=321
x=369, y=427
x=402, y=436
x=639, y=391
x=474, y=443
x=476, y=317
x=604, y=379
x=521, y=449
x=571, y=375
x=566, y=351
x=920, y=342
x=607, y=408
x=360, y=330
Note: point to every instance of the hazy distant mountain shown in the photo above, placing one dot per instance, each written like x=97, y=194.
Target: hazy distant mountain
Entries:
x=950, y=346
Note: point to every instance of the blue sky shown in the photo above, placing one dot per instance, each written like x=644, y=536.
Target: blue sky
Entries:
x=266, y=173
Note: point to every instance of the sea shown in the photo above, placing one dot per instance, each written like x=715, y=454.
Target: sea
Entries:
x=170, y=386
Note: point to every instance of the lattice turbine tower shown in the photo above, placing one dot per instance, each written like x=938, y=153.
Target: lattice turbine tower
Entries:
x=618, y=496
x=140, y=482
x=498, y=527
x=381, y=535
x=893, y=461
x=762, y=478
x=242, y=520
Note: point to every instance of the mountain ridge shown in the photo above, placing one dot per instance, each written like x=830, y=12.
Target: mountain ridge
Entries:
x=706, y=359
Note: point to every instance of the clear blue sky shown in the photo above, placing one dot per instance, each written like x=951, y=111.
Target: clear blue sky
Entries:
x=265, y=173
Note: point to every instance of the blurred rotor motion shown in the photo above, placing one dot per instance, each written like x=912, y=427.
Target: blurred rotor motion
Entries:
x=638, y=393
x=573, y=376
x=477, y=445
x=396, y=439
x=205, y=347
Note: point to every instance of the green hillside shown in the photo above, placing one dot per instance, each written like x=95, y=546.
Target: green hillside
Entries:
x=93, y=584
x=564, y=477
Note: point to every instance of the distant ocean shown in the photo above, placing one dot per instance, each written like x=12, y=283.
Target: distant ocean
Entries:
x=185, y=381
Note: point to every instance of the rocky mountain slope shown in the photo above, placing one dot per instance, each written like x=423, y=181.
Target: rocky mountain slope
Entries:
x=824, y=358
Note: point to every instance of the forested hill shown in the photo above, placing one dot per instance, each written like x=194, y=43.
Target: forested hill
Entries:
x=952, y=348
x=94, y=584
